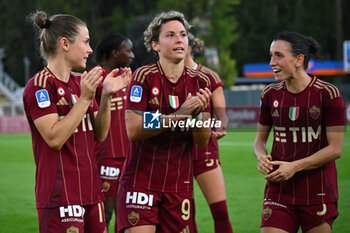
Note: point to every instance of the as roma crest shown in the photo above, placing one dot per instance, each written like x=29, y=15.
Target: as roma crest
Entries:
x=133, y=218
x=267, y=213
x=72, y=229
x=106, y=186
x=314, y=112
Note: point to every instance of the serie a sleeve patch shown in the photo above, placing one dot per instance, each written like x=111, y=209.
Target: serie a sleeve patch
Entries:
x=43, y=99
x=136, y=93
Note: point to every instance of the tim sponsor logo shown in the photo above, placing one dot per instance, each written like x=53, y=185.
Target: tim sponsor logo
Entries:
x=299, y=134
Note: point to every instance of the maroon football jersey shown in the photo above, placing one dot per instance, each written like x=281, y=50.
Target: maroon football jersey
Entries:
x=299, y=122
x=164, y=162
x=69, y=175
x=117, y=142
x=211, y=151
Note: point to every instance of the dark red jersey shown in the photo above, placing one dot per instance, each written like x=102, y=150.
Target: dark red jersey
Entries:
x=163, y=162
x=117, y=142
x=70, y=175
x=299, y=123
x=211, y=151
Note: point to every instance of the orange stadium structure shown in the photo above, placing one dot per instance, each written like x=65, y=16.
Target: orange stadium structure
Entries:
x=330, y=68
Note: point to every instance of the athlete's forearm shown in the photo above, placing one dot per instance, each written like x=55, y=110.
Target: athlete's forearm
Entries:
x=335, y=137
x=260, y=149
x=201, y=135
x=221, y=116
x=56, y=130
x=318, y=159
x=261, y=138
x=219, y=105
x=134, y=126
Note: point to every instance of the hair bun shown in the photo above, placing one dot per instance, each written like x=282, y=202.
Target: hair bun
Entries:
x=48, y=22
x=40, y=19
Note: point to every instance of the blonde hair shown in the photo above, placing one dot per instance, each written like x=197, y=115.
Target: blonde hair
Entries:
x=153, y=30
x=196, y=44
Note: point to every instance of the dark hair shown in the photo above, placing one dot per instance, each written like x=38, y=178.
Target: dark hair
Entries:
x=54, y=28
x=301, y=44
x=106, y=45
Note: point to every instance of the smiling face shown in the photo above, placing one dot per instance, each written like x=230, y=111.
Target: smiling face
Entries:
x=172, y=43
x=282, y=62
x=79, y=50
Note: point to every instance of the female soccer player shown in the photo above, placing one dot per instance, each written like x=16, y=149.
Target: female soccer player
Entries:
x=64, y=120
x=156, y=187
x=206, y=163
x=113, y=51
x=307, y=116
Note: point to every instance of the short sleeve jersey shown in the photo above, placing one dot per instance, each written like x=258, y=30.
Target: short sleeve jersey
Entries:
x=69, y=175
x=211, y=151
x=164, y=162
x=299, y=123
x=117, y=142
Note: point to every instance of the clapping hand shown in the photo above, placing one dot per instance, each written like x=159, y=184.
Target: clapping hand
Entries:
x=89, y=82
x=112, y=84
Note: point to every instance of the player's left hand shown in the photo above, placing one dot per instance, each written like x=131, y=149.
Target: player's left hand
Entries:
x=89, y=82
x=203, y=98
x=284, y=172
x=219, y=134
x=112, y=84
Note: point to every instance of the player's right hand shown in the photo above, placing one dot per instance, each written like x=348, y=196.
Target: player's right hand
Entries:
x=89, y=82
x=264, y=164
x=219, y=134
x=113, y=84
x=203, y=97
x=190, y=105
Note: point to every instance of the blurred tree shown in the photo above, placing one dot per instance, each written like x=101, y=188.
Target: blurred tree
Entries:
x=222, y=34
x=215, y=23
x=16, y=37
x=259, y=21
x=134, y=30
x=133, y=23
x=88, y=11
x=338, y=24
x=240, y=31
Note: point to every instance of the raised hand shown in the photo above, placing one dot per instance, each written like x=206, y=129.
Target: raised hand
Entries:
x=89, y=82
x=112, y=84
x=189, y=106
x=203, y=99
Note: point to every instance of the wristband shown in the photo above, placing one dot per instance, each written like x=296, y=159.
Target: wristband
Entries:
x=199, y=117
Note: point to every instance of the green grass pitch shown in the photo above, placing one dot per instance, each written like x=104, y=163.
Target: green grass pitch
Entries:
x=244, y=186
